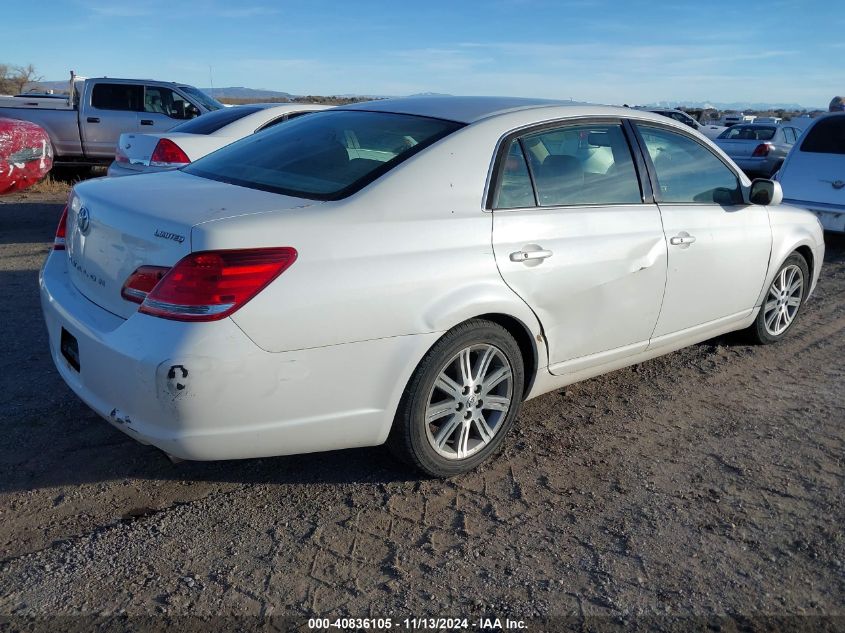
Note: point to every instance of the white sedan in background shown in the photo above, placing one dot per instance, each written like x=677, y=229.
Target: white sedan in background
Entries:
x=185, y=143
x=409, y=271
x=813, y=174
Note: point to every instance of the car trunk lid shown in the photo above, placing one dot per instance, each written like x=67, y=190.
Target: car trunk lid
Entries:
x=116, y=225
x=738, y=148
x=814, y=177
x=134, y=150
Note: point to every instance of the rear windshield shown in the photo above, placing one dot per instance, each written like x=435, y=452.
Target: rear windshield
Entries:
x=749, y=133
x=826, y=136
x=213, y=121
x=324, y=156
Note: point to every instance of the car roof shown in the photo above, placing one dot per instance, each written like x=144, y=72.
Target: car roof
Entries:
x=460, y=109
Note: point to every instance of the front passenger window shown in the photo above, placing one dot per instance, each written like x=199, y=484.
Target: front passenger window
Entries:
x=687, y=172
x=161, y=100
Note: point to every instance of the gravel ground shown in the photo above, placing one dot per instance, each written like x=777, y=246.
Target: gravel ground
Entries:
x=703, y=488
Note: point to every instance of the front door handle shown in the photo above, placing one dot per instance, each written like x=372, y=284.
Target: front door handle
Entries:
x=524, y=256
x=683, y=238
x=146, y=122
x=93, y=119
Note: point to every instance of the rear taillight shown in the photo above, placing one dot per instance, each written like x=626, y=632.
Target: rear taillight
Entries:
x=141, y=282
x=761, y=150
x=211, y=285
x=119, y=156
x=168, y=154
x=61, y=232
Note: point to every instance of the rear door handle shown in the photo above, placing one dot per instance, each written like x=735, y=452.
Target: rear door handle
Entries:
x=146, y=122
x=682, y=239
x=524, y=256
x=93, y=119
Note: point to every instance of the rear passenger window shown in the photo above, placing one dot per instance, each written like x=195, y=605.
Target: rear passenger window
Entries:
x=515, y=190
x=582, y=164
x=826, y=137
x=117, y=97
x=687, y=172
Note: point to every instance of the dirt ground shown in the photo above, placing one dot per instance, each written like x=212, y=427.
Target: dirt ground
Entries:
x=704, y=490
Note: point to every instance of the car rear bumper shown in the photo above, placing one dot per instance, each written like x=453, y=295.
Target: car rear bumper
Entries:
x=205, y=391
x=758, y=166
x=831, y=216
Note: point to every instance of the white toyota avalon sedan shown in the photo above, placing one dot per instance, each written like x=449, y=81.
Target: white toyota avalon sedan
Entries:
x=409, y=271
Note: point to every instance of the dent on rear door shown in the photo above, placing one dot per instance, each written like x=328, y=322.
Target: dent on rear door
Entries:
x=600, y=287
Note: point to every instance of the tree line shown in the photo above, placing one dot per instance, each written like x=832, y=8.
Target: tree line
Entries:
x=14, y=79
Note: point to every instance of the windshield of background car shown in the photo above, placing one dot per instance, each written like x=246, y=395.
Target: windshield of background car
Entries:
x=748, y=133
x=826, y=137
x=324, y=156
x=209, y=103
x=213, y=121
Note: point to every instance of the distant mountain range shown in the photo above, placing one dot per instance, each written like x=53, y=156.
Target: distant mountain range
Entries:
x=240, y=92
x=737, y=105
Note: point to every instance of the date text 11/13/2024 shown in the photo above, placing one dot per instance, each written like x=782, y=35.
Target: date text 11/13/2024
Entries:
x=416, y=624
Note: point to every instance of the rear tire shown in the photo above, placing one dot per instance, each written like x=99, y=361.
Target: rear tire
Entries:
x=461, y=401
x=783, y=301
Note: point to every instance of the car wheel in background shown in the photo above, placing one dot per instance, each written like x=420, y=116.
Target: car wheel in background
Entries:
x=783, y=301
x=461, y=400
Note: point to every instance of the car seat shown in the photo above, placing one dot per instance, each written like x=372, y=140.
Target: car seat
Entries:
x=560, y=180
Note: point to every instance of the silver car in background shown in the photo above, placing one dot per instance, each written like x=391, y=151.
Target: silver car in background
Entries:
x=758, y=149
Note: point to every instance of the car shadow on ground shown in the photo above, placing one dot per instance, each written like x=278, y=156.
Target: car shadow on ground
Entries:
x=25, y=222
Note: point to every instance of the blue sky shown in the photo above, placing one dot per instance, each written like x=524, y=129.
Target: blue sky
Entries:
x=588, y=50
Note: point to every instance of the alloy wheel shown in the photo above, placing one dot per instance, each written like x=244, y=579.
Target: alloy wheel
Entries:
x=783, y=300
x=469, y=401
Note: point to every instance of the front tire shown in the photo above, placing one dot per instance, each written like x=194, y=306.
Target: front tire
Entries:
x=783, y=301
x=461, y=401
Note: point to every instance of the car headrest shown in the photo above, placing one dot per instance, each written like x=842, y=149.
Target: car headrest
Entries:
x=563, y=166
x=599, y=139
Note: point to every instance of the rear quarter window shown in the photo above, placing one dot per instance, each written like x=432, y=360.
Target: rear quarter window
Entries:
x=826, y=137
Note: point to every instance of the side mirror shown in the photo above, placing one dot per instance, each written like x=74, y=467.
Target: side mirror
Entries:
x=765, y=192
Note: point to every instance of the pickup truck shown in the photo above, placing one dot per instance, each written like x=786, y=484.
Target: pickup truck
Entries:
x=84, y=127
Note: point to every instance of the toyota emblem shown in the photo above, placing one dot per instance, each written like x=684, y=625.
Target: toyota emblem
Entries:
x=83, y=220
